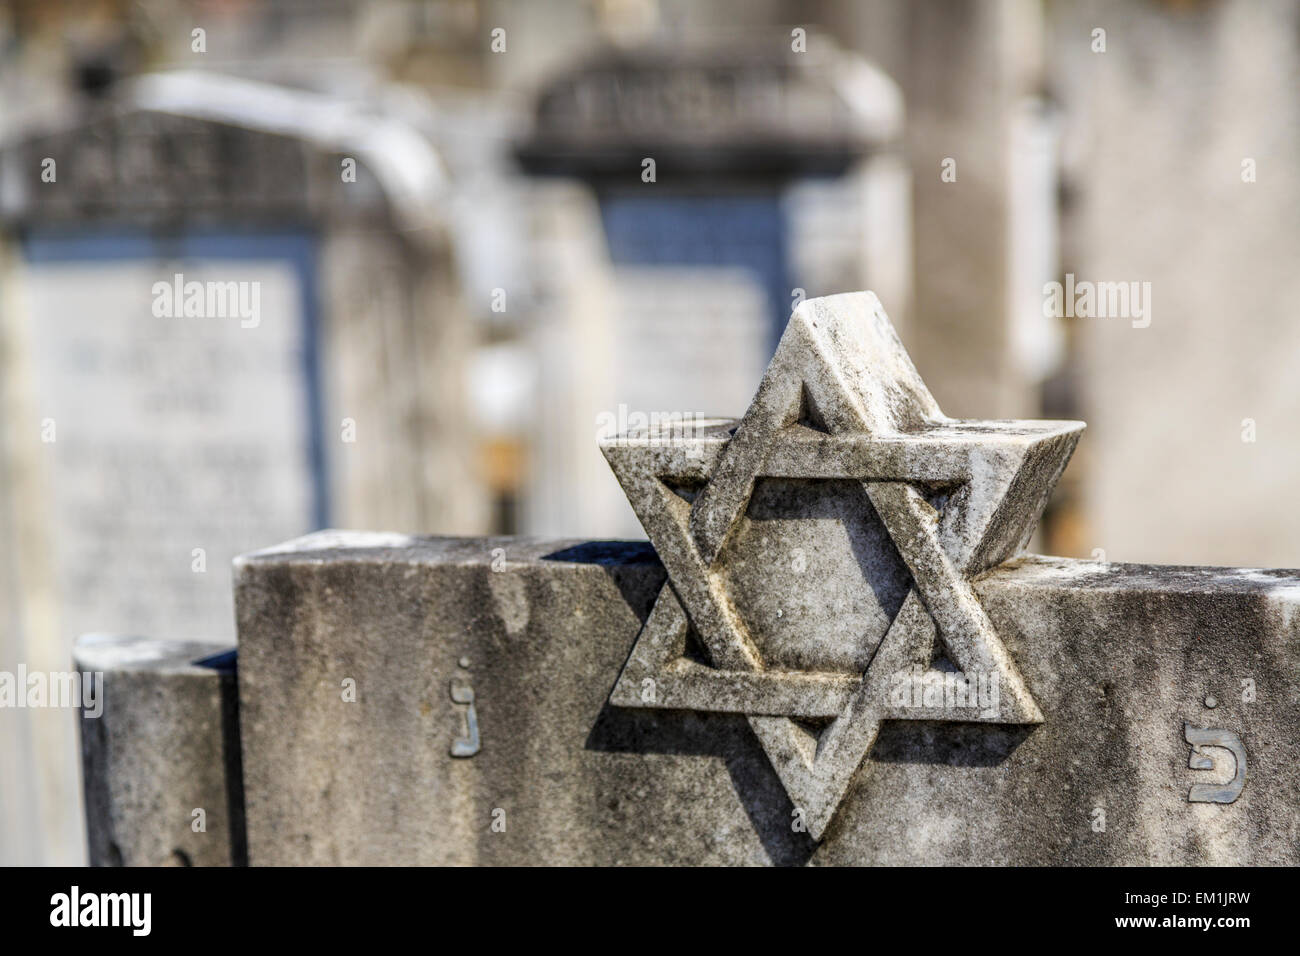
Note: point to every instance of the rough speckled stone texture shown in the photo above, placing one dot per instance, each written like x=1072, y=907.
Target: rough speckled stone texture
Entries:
x=1118, y=657
x=822, y=546
x=167, y=743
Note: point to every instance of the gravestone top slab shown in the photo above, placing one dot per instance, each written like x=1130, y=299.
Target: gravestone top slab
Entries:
x=743, y=109
x=333, y=545
x=195, y=148
x=160, y=752
x=121, y=652
x=1123, y=660
x=825, y=543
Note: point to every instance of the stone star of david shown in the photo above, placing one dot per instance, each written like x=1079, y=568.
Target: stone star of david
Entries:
x=767, y=612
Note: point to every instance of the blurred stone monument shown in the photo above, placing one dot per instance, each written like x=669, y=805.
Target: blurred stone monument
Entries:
x=725, y=184
x=229, y=308
x=836, y=652
x=168, y=712
x=1201, y=380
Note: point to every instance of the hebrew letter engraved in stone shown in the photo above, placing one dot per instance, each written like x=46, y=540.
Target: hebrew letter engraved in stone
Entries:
x=1200, y=760
x=467, y=746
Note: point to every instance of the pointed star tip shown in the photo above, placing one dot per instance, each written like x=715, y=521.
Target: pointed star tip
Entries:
x=817, y=824
x=862, y=299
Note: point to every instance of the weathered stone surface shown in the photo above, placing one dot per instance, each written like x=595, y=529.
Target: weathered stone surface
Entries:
x=840, y=570
x=841, y=417
x=165, y=746
x=1118, y=658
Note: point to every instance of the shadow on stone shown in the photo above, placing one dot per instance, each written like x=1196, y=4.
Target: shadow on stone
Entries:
x=947, y=744
x=227, y=665
x=727, y=736
x=609, y=553
x=619, y=558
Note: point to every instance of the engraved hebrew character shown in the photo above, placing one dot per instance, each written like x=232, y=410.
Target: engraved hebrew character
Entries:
x=1225, y=739
x=466, y=746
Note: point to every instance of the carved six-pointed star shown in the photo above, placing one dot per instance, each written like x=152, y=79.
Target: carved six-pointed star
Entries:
x=822, y=548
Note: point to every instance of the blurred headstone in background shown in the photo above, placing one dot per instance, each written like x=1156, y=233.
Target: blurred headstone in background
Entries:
x=229, y=312
x=731, y=182
x=981, y=143
x=980, y=140
x=1180, y=157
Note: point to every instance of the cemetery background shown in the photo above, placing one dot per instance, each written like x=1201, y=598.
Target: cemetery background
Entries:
x=441, y=340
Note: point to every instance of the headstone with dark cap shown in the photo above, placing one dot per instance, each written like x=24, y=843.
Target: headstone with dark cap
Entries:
x=731, y=182
x=230, y=309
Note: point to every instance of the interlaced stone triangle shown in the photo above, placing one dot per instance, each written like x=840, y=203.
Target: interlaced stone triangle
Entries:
x=841, y=401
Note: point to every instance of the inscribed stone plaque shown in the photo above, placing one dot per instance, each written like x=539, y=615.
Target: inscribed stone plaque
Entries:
x=178, y=440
